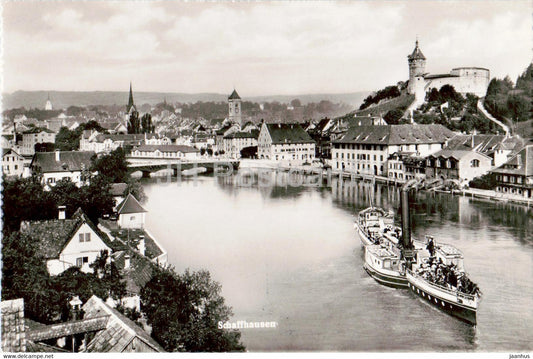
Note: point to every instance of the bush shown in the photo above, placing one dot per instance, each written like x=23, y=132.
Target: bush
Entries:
x=487, y=181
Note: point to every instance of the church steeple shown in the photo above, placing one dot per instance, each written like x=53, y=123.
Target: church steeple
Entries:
x=130, y=101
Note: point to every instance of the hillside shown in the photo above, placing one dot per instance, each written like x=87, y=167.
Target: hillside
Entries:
x=64, y=99
x=401, y=102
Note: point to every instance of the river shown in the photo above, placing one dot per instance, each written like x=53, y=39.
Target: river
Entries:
x=289, y=254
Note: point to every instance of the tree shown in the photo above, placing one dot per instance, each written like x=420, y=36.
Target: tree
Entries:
x=296, y=103
x=394, y=117
x=134, y=125
x=113, y=167
x=146, y=123
x=24, y=275
x=249, y=152
x=44, y=147
x=184, y=312
x=67, y=140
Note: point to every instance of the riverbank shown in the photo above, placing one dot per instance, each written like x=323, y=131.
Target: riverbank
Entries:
x=475, y=193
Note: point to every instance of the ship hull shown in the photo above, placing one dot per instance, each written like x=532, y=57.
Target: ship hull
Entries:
x=462, y=309
x=397, y=281
x=365, y=241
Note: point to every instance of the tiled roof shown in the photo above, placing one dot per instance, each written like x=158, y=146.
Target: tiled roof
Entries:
x=457, y=154
x=130, y=205
x=120, y=330
x=53, y=235
x=166, y=148
x=416, y=54
x=241, y=135
x=138, y=274
x=397, y=134
x=6, y=151
x=486, y=144
x=13, y=329
x=234, y=96
x=68, y=161
x=520, y=164
x=33, y=347
x=288, y=133
x=64, y=329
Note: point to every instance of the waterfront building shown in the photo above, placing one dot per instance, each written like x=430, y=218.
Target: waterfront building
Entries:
x=235, y=142
x=516, y=175
x=65, y=243
x=12, y=163
x=165, y=151
x=234, y=108
x=130, y=213
x=499, y=148
x=366, y=149
x=226, y=130
x=285, y=142
x=465, y=80
x=457, y=164
x=60, y=165
x=34, y=136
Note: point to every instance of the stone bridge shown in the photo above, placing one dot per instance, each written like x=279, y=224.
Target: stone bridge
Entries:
x=150, y=165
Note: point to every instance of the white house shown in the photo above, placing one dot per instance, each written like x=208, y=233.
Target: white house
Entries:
x=65, y=243
x=58, y=165
x=165, y=151
x=130, y=213
x=235, y=142
x=367, y=149
x=36, y=135
x=12, y=163
x=285, y=142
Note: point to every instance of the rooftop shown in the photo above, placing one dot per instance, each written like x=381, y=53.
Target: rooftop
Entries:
x=288, y=133
x=234, y=96
x=519, y=164
x=397, y=134
x=62, y=161
x=166, y=148
x=130, y=204
x=119, y=332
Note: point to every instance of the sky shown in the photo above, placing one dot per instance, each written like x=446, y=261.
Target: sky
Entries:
x=259, y=48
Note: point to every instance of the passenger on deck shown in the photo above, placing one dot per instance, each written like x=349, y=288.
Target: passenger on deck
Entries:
x=431, y=246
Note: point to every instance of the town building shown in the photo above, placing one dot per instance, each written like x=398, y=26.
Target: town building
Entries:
x=465, y=80
x=34, y=136
x=499, y=148
x=105, y=143
x=366, y=149
x=457, y=165
x=225, y=130
x=165, y=151
x=61, y=165
x=234, y=108
x=12, y=163
x=515, y=177
x=48, y=104
x=65, y=243
x=235, y=142
x=285, y=142
x=130, y=213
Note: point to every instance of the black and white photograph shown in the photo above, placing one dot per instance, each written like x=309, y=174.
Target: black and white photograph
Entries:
x=282, y=177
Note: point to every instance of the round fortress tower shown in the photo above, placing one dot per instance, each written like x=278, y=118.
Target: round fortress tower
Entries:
x=417, y=68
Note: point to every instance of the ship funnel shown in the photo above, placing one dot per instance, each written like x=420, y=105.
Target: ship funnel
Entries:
x=406, y=220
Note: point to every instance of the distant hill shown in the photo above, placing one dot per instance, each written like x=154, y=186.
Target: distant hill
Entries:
x=63, y=99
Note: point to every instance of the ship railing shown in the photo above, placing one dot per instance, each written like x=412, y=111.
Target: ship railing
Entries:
x=445, y=289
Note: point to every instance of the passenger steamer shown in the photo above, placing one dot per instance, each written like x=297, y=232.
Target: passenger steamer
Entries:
x=396, y=260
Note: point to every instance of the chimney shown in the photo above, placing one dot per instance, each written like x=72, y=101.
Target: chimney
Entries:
x=127, y=261
x=62, y=210
x=519, y=159
x=142, y=245
x=58, y=155
x=406, y=220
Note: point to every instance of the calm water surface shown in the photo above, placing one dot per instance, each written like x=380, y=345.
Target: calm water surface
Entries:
x=291, y=255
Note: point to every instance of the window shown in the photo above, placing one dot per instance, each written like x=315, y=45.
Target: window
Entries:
x=80, y=261
x=85, y=237
x=474, y=163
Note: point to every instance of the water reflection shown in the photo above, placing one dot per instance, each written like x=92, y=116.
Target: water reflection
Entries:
x=289, y=253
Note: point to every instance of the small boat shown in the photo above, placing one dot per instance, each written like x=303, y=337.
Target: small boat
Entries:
x=370, y=224
x=442, y=281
